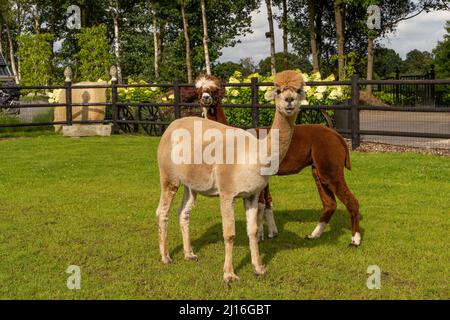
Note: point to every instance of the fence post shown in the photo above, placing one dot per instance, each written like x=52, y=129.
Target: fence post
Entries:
x=176, y=100
x=397, y=87
x=255, y=103
x=433, y=88
x=68, y=85
x=114, y=107
x=356, y=139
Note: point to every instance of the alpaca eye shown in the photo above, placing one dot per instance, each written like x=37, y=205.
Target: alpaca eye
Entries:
x=299, y=91
x=278, y=91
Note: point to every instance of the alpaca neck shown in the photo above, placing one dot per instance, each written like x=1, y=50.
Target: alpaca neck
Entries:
x=218, y=115
x=285, y=126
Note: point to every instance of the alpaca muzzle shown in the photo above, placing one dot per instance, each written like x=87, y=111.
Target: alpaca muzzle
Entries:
x=206, y=99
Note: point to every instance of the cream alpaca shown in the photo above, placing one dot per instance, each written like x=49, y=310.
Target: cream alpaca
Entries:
x=227, y=181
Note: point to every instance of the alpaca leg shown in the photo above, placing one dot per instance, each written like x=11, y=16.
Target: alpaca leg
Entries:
x=184, y=213
x=229, y=233
x=348, y=199
x=328, y=202
x=168, y=191
x=272, y=226
x=251, y=212
x=261, y=208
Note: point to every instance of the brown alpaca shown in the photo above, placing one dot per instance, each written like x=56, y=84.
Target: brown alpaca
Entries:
x=211, y=99
x=327, y=153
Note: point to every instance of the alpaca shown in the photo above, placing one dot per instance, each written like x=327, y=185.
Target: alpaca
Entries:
x=228, y=181
x=211, y=100
x=327, y=153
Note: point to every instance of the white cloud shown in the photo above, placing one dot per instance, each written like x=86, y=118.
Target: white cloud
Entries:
x=421, y=32
x=255, y=45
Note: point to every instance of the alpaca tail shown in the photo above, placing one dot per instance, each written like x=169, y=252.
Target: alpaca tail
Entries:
x=347, y=163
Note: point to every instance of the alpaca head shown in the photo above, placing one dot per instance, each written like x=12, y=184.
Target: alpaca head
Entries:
x=209, y=92
x=288, y=92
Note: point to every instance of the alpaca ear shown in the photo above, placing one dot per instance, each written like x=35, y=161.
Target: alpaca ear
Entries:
x=270, y=95
x=301, y=94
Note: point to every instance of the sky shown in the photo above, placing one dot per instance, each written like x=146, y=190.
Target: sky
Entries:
x=421, y=32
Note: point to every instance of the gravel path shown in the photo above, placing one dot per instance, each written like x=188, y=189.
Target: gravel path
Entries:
x=384, y=147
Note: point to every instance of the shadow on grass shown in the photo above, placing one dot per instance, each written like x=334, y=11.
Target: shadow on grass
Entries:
x=286, y=240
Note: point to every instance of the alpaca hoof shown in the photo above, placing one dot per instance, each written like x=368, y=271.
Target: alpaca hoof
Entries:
x=191, y=257
x=311, y=237
x=229, y=277
x=356, y=240
x=260, y=236
x=260, y=270
x=272, y=235
x=166, y=259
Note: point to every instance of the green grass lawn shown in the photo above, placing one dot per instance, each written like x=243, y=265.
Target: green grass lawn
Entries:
x=91, y=202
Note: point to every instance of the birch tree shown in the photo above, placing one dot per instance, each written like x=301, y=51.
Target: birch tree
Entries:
x=205, y=37
x=186, y=40
x=271, y=36
x=114, y=11
x=339, y=16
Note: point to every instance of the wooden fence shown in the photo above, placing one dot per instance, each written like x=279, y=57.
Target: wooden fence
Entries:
x=349, y=111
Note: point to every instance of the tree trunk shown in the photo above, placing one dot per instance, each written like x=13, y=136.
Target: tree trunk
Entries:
x=285, y=36
x=318, y=25
x=339, y=19
x=188, y=43
x=115, y=16
x=313, y=35
x=205, y=38
x=37, y=25
x=369, y=63
x=157, y=47
x=19, y=73
x=54, y=6
x=272, y=37
x=36, y=20
x=12, y=54
x=1, y=40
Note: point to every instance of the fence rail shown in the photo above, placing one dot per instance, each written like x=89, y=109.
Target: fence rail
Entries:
x=350, y=112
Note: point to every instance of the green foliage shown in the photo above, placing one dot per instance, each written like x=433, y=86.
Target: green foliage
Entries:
x=141, y=94
x=226, y=69
x=226, y=21
x=243, y=95
x=94, y=57
x=295, y=62
x=35, y=51
x=417, y=62
x=353, y=64
x=320, y=95
x=386, y=97
x=442, y=63
x=14, y=119
x=386, y=62
x=442, y=55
